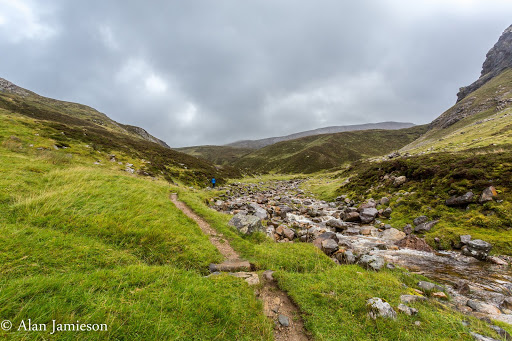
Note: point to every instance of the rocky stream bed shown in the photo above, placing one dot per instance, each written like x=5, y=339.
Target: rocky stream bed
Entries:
x=352, y=232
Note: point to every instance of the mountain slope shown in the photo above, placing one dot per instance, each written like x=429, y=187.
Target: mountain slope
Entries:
x=75, y=110
x=218, y=155
x=81, y=130
x=256, y=144
x=314, y=153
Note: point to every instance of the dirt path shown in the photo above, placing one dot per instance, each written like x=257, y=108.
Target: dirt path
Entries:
x=288, y=324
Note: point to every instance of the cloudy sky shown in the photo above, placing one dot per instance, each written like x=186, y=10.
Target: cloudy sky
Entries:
x=212, y=72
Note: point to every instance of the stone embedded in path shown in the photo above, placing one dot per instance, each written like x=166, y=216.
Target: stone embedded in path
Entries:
x=284, y=320
x=378, y=308
x=231, y=266
x=246, y=224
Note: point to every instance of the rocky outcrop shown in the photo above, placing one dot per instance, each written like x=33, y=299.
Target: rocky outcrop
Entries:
x=6, y=86
x=497, y=59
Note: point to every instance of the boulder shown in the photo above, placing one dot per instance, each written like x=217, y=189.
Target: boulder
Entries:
x=337, y=224
x=428, y=286
x=488, y=195
x=371, y=262
x=392, y=234
x=482, y=307
x=288, y=233
x=477, y=248
x=425, y=227
x=351, y=216
x=329, y=246
x=367, y=215
x=460, y=200
x=387, y=212
x=246, y=224
x=378, y=308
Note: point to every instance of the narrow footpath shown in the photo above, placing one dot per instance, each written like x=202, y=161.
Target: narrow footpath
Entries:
x=288, y=324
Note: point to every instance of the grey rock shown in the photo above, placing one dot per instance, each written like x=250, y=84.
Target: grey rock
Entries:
x=329, y=246
x=477, y=248
x=378, y=308
x=460, y=200
x=428, y=286
x=420, y=220
x=387, y=212
x=399, y=180
x=488, y=195
x=411, y=298
x=392, y=234
x=367, y=215
x=425, y=227
x=479, y=337
x=346, y=257
x=501, y=332
x=337, y=224
x=407, y=310
x=384, y=201
x=246, y=224
x=464, y=239
x=371, y=262
x=352, y=231
x=284, y=320
x=351, y=216
x=483, y=307
x=289, y=233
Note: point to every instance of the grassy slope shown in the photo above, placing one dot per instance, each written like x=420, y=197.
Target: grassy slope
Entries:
x=488, y=102
x=218, y=155
x=93, y=243
x=332, y=298
x=314, y=153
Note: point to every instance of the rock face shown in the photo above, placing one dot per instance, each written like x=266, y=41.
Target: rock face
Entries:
x=378, y=308
x=497, y=59
x=477, y=248
x=246, y=224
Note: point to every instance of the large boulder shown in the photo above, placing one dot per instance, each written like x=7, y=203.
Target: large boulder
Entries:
x=259, y=211
x=378, y=308
x=477, y=248
x=367, y=215
x=246, y=224
x=462, y=200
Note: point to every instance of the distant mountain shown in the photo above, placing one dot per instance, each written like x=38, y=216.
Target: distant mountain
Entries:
x=256, y=144
x=79, y=111
x=321, y=152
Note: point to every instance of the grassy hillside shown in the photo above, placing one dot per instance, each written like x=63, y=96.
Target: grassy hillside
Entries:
x=218, y=155
x=482, y=118
x=314, y=153
x=73, y=135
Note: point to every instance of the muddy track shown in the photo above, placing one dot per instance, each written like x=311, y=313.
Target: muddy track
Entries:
x=276, y=304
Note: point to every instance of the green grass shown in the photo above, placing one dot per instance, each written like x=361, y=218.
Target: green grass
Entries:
x=320, y=152
x=137, y=303
x=218, y=155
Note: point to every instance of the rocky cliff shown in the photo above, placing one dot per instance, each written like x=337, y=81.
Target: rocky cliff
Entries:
x=497, y=59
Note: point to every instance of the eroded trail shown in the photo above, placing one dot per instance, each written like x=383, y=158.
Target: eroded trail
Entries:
x=288, y=324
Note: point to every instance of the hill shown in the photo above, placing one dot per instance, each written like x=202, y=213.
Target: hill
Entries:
x=218, y=155
x=76, y=129
x=320, y=152
x=256, y=144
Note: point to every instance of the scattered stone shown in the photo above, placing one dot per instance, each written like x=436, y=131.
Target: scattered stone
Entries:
x=420, y=220
x=408, y=229
x=479, y=337
x=414, y=243
x=288, y=233
x=346, y=257
x=497, y=260
x=351, y=217
x=428, y=286
x=329, y=246
x=477, y=248
x=387, y=212
x=488, y=195
x=465, y=238
x=337, y=224
x=400, y=180
x=367, y=215
x=371, y=262
x=483, y=307
x=441, y=295
x=268, y=275
x=352, y=231
x=460, y=200
x=384, y=201
x=284, y=320
x=246, y=224
x=407, y=310
x=378, y=308
x=417, y=323
x=425, y=227
x=392, y=234
x=411, y=298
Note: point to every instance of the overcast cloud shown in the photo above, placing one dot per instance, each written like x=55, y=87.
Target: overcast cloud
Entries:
x=212, y=72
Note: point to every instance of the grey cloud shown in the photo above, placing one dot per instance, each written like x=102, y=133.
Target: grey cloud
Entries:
x=204, y=72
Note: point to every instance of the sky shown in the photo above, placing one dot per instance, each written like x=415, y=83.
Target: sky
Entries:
x=200, y=72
